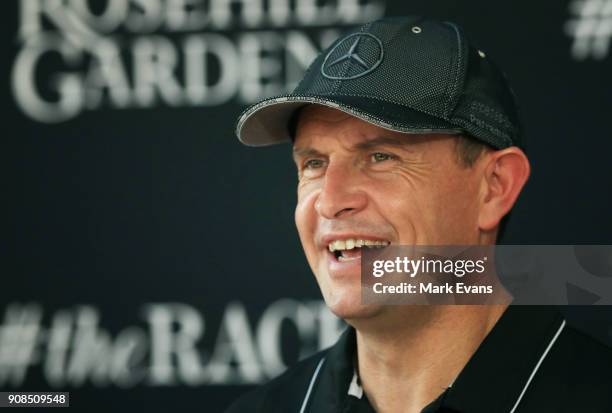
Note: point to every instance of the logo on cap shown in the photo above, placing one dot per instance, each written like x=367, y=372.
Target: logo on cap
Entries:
x=354, y=56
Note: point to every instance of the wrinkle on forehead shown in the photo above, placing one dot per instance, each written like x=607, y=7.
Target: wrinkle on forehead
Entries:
x=357, y=134
x=317, y=121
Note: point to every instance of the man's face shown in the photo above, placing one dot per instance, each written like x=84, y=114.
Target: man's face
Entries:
x=361, y=184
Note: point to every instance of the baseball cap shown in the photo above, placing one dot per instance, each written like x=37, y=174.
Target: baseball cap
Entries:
x=407, y=74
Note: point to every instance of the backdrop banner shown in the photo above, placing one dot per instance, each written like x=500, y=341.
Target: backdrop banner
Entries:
x=152, y=261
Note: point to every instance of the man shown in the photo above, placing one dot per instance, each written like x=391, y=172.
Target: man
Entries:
x=404, y=134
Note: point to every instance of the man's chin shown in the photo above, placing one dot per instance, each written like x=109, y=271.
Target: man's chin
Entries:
x=343, y=298
x=353, y=311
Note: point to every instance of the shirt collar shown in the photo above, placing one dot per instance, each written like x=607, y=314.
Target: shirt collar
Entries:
x=494, y=378
x=355, y=388
x=502, y=368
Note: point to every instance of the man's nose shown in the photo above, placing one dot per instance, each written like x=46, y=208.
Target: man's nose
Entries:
x=341, y=194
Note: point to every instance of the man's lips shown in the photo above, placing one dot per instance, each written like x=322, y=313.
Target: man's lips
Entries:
x=344, y=250
x=348, y=255
x=348, y=241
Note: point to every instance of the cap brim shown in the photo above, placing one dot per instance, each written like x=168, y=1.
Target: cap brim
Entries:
x=267, y=122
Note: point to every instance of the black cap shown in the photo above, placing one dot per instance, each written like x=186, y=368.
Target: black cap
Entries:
x=406, y=74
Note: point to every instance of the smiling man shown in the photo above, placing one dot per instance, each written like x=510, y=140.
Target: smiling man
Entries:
x=404, y=134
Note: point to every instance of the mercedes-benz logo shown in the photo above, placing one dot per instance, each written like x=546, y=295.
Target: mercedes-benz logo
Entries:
x=354, y=56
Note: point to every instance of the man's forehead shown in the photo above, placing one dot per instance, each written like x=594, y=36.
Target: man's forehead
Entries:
x=315, y=121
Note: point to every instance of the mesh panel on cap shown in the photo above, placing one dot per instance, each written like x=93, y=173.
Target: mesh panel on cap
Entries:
x=424, y=77
x=417, y=69
x=487, y=107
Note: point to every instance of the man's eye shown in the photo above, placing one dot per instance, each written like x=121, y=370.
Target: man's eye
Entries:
x=381, y=156
x=313, y=164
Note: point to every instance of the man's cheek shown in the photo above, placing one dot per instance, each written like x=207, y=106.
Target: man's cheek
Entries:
x=305, y=220
x=305, y=211
x=302, y=221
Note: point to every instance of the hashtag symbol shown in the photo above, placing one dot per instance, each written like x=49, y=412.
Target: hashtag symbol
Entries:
x=591, y=28
x=19, y=337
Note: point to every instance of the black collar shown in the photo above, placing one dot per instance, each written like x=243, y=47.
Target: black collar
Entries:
x=337, y=373
x=501, y=368
x=492, y=381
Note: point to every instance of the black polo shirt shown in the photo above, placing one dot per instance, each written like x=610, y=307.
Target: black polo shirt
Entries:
x=531, y=361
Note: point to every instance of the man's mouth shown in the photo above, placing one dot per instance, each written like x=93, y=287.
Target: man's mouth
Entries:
x=350, y=249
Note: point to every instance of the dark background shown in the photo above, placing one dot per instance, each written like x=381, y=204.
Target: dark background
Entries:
x=116, y=209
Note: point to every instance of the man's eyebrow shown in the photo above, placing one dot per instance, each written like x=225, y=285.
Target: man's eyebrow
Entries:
x=400, y=142
x=305, y=152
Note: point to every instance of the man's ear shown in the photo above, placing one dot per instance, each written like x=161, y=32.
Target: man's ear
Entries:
x=505, y=174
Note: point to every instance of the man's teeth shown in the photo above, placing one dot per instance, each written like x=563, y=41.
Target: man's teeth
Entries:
x=349, y=244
